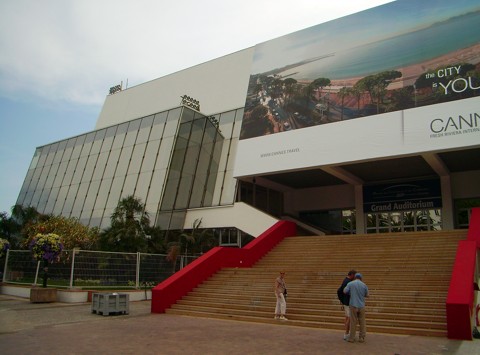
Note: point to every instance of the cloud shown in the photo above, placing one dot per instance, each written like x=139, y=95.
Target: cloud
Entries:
x=73, y=51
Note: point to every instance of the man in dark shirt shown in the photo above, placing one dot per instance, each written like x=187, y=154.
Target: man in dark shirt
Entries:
x=345, y=301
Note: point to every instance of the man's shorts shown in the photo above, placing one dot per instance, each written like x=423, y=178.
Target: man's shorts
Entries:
x=347, y=311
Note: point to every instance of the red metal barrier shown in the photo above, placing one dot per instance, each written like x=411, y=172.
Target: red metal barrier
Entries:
x=175, y=287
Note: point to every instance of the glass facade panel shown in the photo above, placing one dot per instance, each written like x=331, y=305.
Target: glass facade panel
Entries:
x=87, y=145
x=177, y=220
x=89, y=167
x=77, y=175
x=170, y=194
x=187, y=115
x=129, y=186
x=170, y=128
x=51, y=154
x=60, y=150
x=97, y=143
x=69, y=149
x=137, y=158
x=111, y=164
x=51, y=200
x=120, y=136
x=68, y=206
x=108, y=139
x=96, y=218
x=105, y=221
x=80, y=199
x=174, y=115
x=43, y=155
x=85, y=217
x=158, y=126
x=43, y=200
x=51, y=175
x=36, y=197
x=90, y=197
x=163, y=156
x=35, y=159
x=226, y=120
x=143, y=185
x=115, y=191
x=156, y=188
x=77, y=149
x=238, y=124
x=99, y=168
x=145, y=128
x=132, y=132
x=72, y=164
x=103, y=194
x=43, y=178
x=62, y=195
x=150, y=156
x=163, y=220
x=60, y=174
x=124, y=161
x=183, y=193
x=228, y=191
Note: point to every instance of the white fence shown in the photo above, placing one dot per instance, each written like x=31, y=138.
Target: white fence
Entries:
x=92, y=269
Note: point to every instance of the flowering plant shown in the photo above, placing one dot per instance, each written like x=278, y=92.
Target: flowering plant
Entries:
x=4, y=246
x=46, y=247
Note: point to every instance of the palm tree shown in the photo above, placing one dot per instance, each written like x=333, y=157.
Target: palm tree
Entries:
x=289, y=88
x=15, y=227
x=129, y=223
x=343, y=93
x=193, y=243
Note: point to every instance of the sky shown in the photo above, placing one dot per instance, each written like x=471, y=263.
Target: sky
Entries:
x=59, y=58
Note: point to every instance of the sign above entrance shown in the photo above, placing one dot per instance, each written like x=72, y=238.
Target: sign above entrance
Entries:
x=414, y=195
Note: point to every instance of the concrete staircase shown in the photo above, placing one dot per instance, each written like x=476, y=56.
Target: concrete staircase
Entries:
x=408, y=275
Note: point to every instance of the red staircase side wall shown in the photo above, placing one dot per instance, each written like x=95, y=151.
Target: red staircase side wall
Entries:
x=165, y=294
x=461, y=291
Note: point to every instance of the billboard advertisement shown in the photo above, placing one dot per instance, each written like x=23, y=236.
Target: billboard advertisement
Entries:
x=403, y=55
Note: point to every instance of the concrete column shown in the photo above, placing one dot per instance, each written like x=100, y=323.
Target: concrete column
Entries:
x=360, y=217
x=448, y=221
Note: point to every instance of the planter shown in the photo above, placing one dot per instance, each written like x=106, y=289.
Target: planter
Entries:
x=43, y=295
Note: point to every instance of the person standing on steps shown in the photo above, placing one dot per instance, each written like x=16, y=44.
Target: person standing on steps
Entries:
x=280, y=291
x=357, y=291
x=345, y=301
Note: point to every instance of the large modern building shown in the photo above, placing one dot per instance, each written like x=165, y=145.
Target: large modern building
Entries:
x=366, y=124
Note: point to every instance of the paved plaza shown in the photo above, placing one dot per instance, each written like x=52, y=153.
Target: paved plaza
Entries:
x=60, y=328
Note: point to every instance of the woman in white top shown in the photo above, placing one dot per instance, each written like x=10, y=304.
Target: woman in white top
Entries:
x=281, y=306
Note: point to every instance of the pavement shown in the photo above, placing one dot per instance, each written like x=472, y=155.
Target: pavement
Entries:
x=65, y=328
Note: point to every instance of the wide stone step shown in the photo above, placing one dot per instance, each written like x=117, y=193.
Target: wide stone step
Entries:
x=422, y=315
x=374, y=327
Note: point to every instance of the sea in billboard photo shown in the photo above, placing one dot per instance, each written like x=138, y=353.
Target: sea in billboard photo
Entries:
x=398, y=56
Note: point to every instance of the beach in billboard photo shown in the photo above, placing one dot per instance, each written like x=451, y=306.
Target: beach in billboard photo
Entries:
x=393, y=57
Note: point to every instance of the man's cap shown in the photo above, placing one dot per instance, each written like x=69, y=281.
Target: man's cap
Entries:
x=358, y=275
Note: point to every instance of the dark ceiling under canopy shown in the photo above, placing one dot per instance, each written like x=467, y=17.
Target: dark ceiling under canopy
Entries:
x=414, y=167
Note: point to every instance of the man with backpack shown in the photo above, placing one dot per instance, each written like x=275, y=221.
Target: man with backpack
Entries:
x=345, y=301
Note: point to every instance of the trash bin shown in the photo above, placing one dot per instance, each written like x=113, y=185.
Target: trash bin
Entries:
x=110, y=303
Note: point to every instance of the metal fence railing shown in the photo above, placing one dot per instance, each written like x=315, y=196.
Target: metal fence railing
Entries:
x=92, y=269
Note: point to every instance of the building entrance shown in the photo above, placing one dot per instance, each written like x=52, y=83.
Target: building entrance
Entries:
x=404, y=221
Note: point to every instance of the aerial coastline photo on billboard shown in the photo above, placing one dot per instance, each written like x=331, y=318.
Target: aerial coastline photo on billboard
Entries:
x=398, y=56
